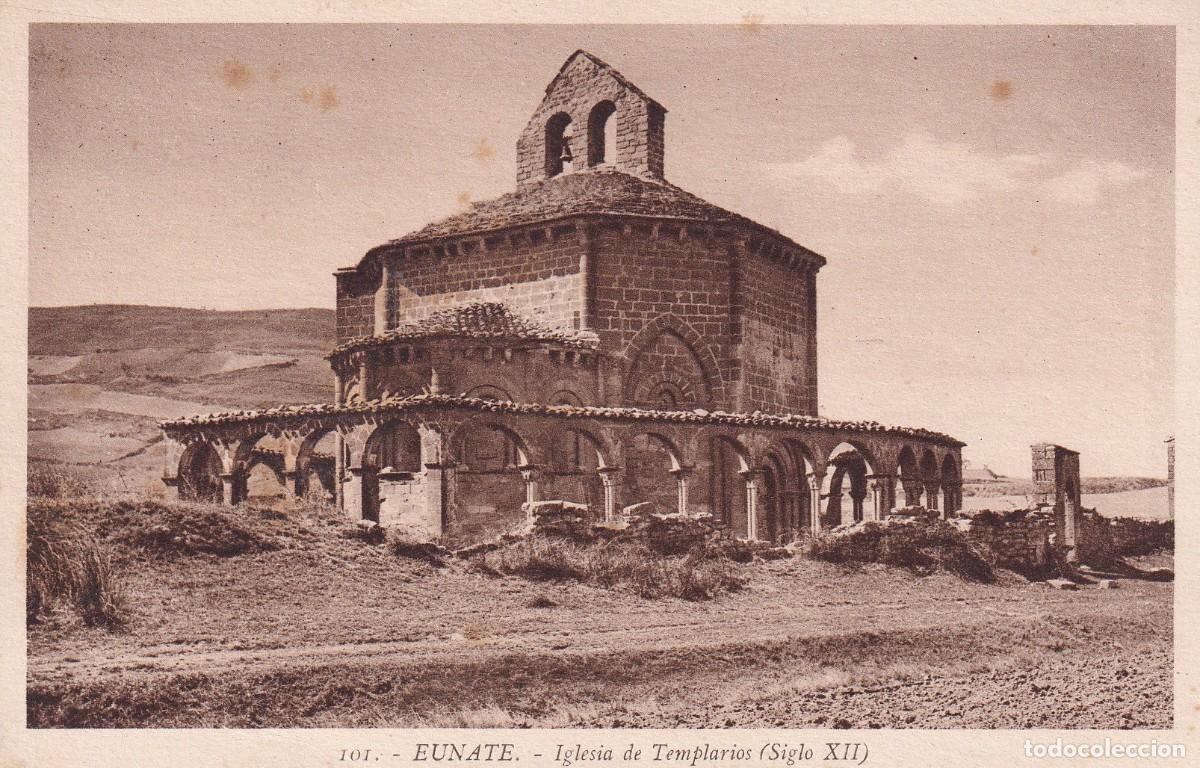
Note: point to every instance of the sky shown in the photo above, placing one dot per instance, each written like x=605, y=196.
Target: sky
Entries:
x=996, y=204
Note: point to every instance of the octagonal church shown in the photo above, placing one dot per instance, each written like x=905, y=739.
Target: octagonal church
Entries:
x=598, y=335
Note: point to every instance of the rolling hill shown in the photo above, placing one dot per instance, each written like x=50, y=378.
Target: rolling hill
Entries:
x=102, y=376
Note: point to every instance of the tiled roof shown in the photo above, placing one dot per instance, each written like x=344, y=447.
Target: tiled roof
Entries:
x=482, y=320
x=283, y=414
x=594, y=191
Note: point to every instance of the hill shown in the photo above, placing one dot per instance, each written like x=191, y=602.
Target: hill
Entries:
x=102, y=376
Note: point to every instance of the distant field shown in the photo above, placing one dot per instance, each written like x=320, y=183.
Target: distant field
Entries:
x=101, y=377
x=1008, y=486
x=1147, y=503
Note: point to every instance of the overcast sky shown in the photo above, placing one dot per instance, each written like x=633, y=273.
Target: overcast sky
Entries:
x=996, y=205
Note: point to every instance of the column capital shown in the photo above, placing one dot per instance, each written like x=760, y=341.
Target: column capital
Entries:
x=530, y=472
x=682, y=473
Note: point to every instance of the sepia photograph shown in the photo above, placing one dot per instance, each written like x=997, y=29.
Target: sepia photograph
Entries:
x=640, y=376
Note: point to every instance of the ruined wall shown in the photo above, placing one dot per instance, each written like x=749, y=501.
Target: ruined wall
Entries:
x=1018, y=540
x=1024, y=540
x=534, y=272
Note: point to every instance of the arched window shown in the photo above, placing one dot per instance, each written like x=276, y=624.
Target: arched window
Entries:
x=602, y=134
x=558, y=145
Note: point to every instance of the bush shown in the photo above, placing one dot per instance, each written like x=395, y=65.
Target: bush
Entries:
x=921, y=547
x=66, y=565
x=197, y=530
x=47, y=483
x=700, y=575
x=426, y=551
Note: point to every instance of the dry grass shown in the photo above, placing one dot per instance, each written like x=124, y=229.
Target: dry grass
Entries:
x=701, y=574
x=67, y=566
x=922, y=548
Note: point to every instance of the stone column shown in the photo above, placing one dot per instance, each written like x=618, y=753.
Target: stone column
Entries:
x=953, y=500
x=751, y=478
x=229, y=489
x=171, y=488
x=352, y=493
x=338, y=389
x=339, y=470
x=912, y=492
x=610, y=478
x=364, y=375
x=931, y=495
x=531, y=475
x=681, y=484
x=879, y=496
x=814, y=503
x=791, y=517
x=857, y=507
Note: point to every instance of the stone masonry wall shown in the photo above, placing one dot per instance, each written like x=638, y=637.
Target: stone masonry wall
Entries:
x=355, y=305
x=640, y=275
x=534, y=272
x=778, y=375
x=582, y=85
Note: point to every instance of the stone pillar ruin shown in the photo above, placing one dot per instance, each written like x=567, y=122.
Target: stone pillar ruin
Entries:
x=1056, y=477
x=1171, y=477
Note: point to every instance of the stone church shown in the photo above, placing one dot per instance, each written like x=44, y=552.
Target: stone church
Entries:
x=597, y=335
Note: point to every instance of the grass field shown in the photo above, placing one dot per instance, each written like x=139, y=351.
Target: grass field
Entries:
x=311, y=627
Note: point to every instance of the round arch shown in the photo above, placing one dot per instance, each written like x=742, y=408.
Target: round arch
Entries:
x=602, y=134
x=200, y=472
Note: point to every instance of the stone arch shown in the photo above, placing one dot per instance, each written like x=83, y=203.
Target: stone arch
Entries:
x=488, y=392
x=494, y=474
x=908, y=476
x=710, y=388
x=602, y=134
x=392, y=453
x=466, y=446
x=312, y=463
x=951, y=484
x=850, y=463
x=729, y=462
x=775, y=511
x=654, y=465
x=200, y=472
x=927, y=468
x=558, y=144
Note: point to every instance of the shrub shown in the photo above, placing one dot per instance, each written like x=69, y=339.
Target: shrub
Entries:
x=48, y=483
x=618, y=564
x=369, y=534
x=426, y=551
x=65, y=564
x=195, y=530
x=918, y=546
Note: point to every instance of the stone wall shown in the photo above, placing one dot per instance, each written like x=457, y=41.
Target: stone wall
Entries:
x=355, y=304
x=534, y=272
x=584, y=83
x=653, y=280
x=778, y=363
x=1025, y=540
x=1018, y=540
